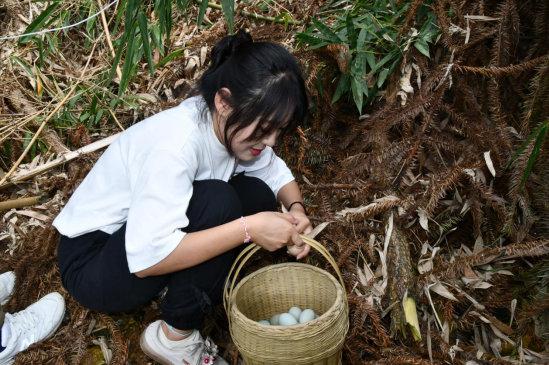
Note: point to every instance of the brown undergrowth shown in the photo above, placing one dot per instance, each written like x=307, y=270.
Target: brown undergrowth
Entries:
x=425, y=199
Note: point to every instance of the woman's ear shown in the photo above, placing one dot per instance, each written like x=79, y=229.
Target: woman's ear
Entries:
x=220, y=100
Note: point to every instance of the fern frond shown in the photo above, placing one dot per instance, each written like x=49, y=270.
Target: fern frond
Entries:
x=512, y=70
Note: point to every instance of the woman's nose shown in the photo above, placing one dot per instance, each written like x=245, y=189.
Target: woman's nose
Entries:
x=270, y=139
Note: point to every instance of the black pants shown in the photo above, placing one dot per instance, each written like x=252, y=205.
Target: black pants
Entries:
x=94, y=268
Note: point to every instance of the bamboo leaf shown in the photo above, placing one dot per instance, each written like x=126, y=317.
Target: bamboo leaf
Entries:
x=170, y=57
x=342, y=87
x=361, y=39
x=382, y=76
x=39, y=22
x=128, y=62
x=371, y=58
x=326, y=32
x=535, y=152
x=143, y=29
x=410, y=313
x=423, y=47
x=202, y=12
x=182, y=4
x=358, y=92
x=227, y=7
x=351, y=32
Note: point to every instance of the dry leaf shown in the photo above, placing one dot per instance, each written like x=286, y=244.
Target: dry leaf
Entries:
x=410, y=313
x=489, y=163
x=443, y=291
x=423, y=219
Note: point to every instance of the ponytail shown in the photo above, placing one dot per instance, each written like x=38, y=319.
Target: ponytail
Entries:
x=226, y=47
x=265, y=83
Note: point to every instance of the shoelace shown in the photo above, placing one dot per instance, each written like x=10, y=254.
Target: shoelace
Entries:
x=22, y=323
x=208, y=351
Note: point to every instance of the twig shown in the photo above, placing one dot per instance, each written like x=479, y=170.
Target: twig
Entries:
x=92, y=147
x=108, y=36
x=256, y=16
x=19, y=203
x=54, y=111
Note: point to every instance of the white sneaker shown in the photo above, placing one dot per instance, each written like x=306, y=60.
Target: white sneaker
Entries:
x=193, y=350
x=35, y=323
x=7, y=283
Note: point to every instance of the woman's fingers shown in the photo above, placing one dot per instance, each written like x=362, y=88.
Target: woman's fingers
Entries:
x=296, y=239
x=305, y=252
x=288, y=217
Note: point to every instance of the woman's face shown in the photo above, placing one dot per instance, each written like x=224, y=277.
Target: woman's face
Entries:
x=243, y=149
x=247, y=150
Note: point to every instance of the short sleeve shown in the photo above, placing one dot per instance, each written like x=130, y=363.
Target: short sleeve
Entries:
x=268, y=167
x=161, y=189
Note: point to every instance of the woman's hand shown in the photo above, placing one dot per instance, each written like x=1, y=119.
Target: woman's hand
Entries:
x=303, y=225
x=273, y=230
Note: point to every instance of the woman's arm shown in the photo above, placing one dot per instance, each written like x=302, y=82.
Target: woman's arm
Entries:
x=270, y=230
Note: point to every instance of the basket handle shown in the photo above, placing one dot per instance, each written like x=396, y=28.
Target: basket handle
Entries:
x=251, y=249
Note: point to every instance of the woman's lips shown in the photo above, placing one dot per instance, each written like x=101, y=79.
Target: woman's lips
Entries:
x=255, y=151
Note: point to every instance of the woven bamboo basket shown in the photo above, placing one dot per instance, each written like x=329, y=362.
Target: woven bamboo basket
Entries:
x=273, y=290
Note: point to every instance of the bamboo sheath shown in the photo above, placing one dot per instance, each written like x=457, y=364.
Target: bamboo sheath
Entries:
x=274, y=289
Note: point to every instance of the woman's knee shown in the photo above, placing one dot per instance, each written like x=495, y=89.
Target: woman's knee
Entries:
x=255, y=195
x=214, y=202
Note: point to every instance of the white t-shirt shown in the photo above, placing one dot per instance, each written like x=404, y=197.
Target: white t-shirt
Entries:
x=145, y=178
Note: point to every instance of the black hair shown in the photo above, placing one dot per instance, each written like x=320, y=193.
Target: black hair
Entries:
x=265, y=83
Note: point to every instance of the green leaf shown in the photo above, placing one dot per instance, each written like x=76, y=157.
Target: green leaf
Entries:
x=311, y=40
x=541, y=133
x=358, y=92
x=128, y=62
x=423, y=47
x=182, y=4
x=202, y=12
x=382, y=76
x=39, y=22
x=227, y=7
x=384, y=60
x=361, y=39
x=172, y=56
x=351, y=32
x=143, y=30
x=326, y=32
x=371, y=58
x=342, y=87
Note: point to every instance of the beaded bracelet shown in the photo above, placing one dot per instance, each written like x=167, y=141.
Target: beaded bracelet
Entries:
x=247, y=237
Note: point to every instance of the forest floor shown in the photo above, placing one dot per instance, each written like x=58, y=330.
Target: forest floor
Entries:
x=418, y=196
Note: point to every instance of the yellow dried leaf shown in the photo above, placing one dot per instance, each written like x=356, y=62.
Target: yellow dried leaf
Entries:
x=410, y=313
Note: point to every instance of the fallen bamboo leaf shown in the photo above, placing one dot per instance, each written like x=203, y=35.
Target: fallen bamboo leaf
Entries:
x=481, y=18
x=107, y=352
x=410, y=313
x=513, y=308
x=489, y=163
x=33, y=214
x=423, y=219
x=316, y=231
x=481, y=285
x=443, y=291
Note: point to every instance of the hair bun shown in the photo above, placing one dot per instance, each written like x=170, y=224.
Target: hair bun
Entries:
x=227, y=46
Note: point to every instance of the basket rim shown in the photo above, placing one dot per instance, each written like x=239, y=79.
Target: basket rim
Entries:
x=338, y=298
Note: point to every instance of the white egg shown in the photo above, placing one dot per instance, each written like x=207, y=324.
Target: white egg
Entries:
x=264, y=322
x=286, y=319
x=275, y=319
x=306, y=316
x=296, y=312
